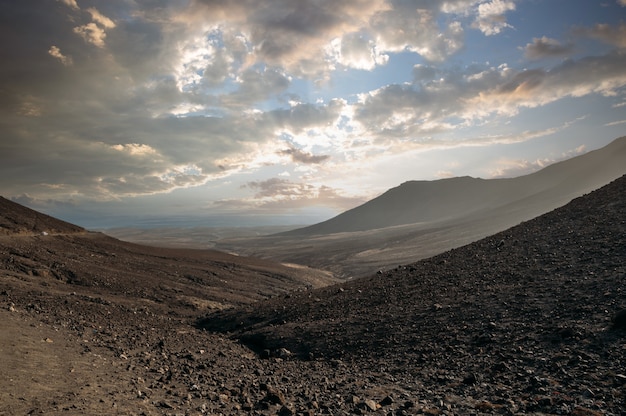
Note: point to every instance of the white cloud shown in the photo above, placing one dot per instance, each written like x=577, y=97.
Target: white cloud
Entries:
x=491, y=18
x=615, y=123
x=135, y=149
x=70, y=3
x=457, y=100
x=99, y=18
x=91, y=33
x=282, y=195
x=94, y=32
x=416, y=30
x=181, y=96
x=355, y=50
x=534, y=88
x=55, y=52
x=286, y=33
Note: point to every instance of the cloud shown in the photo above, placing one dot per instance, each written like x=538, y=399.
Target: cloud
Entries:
x=135, y=149
x=417, y=30
x=408, y=115
x=537, y=87
x=298, y=156
x=70, y=3
x=94, y=32
x=289, y=34
x=310, y=38
x=511, y=168
x=491, y=18
x=612, y=35
x=615, y=123
x=55, y=52
x=257, y=85
x=281, y=195
x=356, y=50
x=191, y=92
x=545, y=47
x=99, y=18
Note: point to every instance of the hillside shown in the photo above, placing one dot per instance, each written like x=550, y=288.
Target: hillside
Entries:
x=523, y=316
x=453, y=198
x=18, y=219
x=518, y=323
x=420, y=219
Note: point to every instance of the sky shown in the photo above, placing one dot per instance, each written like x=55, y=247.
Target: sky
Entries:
x=259, y=112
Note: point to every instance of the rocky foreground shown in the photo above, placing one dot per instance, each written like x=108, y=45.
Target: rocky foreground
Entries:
x=520, y=322
x=525, y=322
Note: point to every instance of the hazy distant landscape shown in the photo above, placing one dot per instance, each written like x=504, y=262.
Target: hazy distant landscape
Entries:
x=413, y=221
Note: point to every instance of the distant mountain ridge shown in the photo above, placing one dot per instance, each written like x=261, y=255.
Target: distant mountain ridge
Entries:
x=464, y=197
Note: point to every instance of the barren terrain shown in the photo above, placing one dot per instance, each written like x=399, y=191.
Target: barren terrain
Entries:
x=413, y=221
x=528, y=321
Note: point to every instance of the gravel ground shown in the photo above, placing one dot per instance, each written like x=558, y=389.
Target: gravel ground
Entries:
x=525, y=322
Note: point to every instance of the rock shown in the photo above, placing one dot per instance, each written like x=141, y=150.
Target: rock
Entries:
x=164, y=404
x=620, y=379
x=619, y=319
x=286, y=411
x=274, y=396
x=371, y=404
x=387, y=401
x=283, y=353
x=470, y=379
x=566, y=333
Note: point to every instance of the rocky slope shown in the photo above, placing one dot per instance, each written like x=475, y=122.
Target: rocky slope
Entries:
x=518, y=323
x=18, y=219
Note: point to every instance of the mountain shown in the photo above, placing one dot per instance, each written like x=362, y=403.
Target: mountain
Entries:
x=454, y=198
x=420, y=219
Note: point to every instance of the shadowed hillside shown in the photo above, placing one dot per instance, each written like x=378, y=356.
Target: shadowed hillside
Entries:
x=17, y=219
